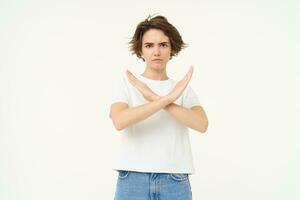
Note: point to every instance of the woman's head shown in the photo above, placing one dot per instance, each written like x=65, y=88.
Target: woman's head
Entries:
x=160, y=28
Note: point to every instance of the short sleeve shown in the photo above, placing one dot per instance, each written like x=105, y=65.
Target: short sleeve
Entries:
x=190, y=98
x=120, y=91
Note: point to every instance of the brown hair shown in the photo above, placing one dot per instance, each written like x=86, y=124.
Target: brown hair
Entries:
x=161, y=23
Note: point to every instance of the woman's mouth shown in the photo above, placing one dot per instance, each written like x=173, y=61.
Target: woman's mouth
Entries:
x=157, y=60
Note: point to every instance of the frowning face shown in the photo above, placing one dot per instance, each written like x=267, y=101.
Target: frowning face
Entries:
x=156, y=49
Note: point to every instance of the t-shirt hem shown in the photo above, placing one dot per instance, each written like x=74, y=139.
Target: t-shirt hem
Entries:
x=155, y=171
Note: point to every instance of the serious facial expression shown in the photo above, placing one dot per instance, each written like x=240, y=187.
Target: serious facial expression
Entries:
x=156, y=48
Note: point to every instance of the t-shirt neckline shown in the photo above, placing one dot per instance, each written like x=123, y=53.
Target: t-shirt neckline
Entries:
x=154, y=81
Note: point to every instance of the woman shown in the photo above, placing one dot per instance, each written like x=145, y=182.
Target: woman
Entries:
x=154, y=112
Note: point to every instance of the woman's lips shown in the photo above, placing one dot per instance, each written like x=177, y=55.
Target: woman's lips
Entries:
x=157, y=60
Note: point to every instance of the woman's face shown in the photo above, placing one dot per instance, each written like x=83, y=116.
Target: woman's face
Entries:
x=156, y=49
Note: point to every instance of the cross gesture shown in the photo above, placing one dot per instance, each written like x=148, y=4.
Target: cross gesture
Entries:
x=151, y=96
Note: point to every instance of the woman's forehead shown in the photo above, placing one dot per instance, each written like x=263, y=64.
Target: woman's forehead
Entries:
x=155, y=36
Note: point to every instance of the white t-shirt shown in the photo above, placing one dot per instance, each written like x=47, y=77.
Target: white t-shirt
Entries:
x=160, y=143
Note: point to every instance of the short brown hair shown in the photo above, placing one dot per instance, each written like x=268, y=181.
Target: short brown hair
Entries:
x=161, y=23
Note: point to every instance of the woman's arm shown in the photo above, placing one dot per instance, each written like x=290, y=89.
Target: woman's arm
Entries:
x=194, y=117
x=123, y=117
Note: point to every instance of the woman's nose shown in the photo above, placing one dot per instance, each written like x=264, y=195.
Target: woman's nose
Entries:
x=156, y=51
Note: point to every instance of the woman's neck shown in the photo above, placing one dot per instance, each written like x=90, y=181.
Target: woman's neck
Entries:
x=155, y=74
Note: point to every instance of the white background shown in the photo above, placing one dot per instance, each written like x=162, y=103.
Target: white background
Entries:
x=58, y=60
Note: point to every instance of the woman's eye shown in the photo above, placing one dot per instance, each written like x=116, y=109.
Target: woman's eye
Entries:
x=147, y=46
x=164, y=45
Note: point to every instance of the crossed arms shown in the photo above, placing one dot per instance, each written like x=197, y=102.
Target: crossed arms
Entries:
x=123, y=116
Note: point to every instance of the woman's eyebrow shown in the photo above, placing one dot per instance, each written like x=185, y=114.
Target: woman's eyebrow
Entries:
x=159, y=43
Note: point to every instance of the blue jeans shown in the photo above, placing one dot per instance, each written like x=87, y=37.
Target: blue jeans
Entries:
x=133, y=185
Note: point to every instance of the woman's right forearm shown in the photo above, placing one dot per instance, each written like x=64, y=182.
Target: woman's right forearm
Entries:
x=130, y=116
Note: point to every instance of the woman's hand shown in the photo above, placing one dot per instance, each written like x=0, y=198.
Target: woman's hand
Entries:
x=151, y=96
x=148, y=94
x=180, y=86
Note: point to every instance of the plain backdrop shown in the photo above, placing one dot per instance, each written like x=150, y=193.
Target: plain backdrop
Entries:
x=59, y=58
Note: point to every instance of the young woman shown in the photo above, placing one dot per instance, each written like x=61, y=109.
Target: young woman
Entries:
x=154, y=112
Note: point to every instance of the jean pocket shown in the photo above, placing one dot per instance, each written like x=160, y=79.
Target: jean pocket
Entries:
x=178, y=176
x=123, y=174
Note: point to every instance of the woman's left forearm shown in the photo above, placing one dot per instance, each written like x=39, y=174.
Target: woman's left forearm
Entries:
x=194, y=118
